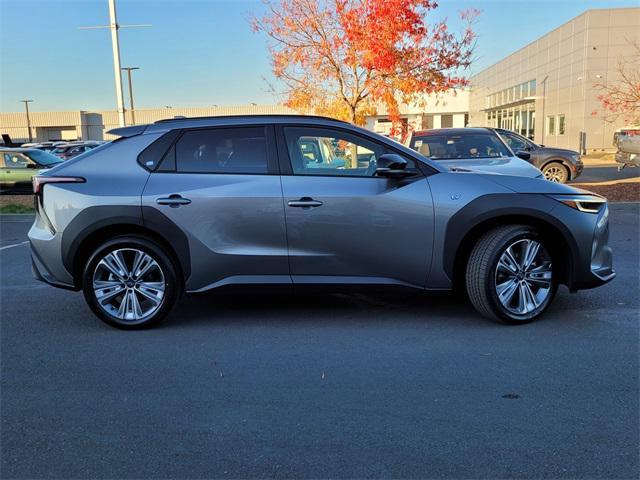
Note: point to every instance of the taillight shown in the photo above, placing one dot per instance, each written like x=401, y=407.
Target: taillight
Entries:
x=40, y=181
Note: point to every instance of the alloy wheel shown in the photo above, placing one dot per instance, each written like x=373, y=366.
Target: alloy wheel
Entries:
x=129, y=284
x=555, y=174
x=523, y=278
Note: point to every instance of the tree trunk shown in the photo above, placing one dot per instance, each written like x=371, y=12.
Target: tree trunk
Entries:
x=353, y=147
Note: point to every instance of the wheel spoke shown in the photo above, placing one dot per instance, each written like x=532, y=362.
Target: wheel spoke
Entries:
x=531, y=302
x=506, y=291
x=111, y=264
x=508, y=262
x=143, y=267
x=106, y=290
x=529, y=254
x=152, y=291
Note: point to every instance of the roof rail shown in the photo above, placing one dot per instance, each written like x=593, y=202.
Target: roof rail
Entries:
x=277, y=115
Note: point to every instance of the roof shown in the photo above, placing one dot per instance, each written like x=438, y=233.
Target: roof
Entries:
x=452, y=131
x=193, y=122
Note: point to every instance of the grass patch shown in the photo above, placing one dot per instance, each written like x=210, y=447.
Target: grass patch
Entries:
x=15, y=208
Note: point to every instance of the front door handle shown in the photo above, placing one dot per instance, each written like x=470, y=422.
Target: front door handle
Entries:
x=173, y=201
x=305, y=202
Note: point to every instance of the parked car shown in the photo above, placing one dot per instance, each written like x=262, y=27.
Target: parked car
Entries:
x=557, y=164
x=18, y=165
x=472, y=148
x=198, y=204
x=628, y=148
x=71, y=150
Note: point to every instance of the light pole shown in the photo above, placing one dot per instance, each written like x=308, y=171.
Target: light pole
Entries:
x=114, y=26
x=131, y=107
x=544, y=101
x=26, y=109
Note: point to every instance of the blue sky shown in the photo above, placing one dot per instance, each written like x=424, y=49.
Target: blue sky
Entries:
x=198, y=52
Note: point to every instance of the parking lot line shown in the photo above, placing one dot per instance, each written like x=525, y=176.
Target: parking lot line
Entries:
x=14, y=245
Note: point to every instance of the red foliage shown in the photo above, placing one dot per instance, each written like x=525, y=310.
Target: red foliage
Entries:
x=345, y=57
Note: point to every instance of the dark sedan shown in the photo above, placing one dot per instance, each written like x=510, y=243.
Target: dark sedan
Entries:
x=557, y=164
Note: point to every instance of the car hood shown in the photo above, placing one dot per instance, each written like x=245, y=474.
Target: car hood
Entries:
x=503, y=166
x=557, y=151
x=535, y=185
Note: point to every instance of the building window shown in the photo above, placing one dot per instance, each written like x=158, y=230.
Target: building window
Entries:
x=532, y=88
x=446, y=121
x=551, y=125
x=561, y=125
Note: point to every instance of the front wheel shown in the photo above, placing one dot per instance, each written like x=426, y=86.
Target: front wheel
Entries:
x=130, y=283
x=556, y=172
x=510, y=275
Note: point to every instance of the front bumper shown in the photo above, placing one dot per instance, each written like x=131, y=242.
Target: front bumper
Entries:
x=592, y=256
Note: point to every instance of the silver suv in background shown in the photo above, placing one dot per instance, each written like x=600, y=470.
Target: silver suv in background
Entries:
x=201, y=203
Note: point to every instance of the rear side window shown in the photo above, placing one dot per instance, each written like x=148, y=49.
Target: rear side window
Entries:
x=153, y=154
x=223, y=150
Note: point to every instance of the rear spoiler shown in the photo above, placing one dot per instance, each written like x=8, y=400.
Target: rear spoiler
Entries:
x=125, y=132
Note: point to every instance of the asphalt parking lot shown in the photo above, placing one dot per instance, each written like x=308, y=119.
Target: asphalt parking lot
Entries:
x=395, y=385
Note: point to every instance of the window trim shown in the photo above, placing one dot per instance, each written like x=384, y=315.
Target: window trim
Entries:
x=272, y=159
x=286, y=166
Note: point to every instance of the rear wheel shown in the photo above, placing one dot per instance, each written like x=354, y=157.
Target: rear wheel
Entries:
x=556, y=172
x=130, y=283
x=510, y=275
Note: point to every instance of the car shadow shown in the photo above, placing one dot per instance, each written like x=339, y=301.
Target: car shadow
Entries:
x=285, y=306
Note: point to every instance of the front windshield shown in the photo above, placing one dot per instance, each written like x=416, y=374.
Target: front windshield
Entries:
x=457, y=146
x=43, y=158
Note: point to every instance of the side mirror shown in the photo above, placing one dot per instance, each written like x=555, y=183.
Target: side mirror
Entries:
x=31, y=165
x=391, y=165
x=523, y=155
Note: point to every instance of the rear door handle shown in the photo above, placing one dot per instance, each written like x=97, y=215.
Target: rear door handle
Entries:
x=305, y=202
x=173, y=201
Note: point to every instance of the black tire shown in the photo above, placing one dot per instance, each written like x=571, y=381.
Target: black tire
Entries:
x=168, y=277
x=482, y=276
x=556, y=172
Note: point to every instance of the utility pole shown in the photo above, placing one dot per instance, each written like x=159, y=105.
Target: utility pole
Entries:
x=114, y=26
x=131, y=107
x=26, y=109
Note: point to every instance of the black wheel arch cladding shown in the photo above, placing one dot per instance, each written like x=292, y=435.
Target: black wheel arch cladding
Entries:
x=490, y=209
x=93, y=219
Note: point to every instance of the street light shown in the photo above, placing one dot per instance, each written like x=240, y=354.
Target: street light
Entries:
x=26, y=108
x=133, y=115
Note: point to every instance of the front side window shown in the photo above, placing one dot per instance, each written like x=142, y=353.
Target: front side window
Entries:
x=320, y=151
x=456, y=146
x=515, y=143
x=222, y=150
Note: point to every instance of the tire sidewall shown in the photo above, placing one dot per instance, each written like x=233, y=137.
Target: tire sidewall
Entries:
x=501, y=311
x=157, y=253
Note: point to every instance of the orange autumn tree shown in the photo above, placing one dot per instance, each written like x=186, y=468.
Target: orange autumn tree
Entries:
x=341, y=58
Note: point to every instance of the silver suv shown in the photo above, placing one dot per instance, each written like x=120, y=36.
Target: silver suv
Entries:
x=195, y=204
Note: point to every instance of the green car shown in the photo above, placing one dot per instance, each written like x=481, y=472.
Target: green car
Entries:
x=18, y=165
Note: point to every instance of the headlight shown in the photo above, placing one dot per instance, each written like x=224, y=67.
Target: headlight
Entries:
x=585, y=203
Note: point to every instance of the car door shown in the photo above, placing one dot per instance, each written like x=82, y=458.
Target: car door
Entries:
x=344, y=224
x=17, y=172
x=221, y=187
